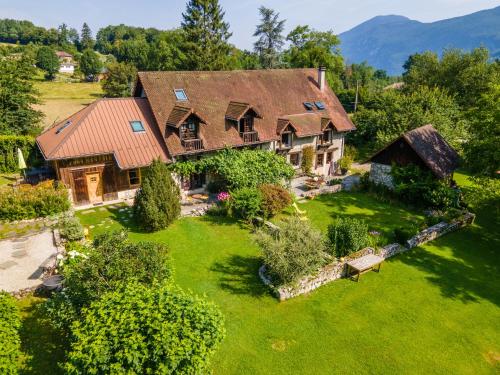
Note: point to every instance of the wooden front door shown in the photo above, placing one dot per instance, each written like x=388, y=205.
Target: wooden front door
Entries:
x=94, y=187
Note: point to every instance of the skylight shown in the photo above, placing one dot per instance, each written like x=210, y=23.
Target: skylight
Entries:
x=308, y=106
x=319, y=105
x=62, y=127
x=180, y=94
x=137, y=126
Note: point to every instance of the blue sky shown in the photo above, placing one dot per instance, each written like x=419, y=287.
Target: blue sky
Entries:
x=338, y=15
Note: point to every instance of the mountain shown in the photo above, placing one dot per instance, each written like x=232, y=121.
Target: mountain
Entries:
x=385, y=42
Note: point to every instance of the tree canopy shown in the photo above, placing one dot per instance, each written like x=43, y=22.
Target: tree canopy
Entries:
x=119, y=80
x=90, y=64
x=17, y=97
x=47, y=60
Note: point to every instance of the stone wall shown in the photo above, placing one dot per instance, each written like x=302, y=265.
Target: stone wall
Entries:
x=337, y=270
x=381, y=174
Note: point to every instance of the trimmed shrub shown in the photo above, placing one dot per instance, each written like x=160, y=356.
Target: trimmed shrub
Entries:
x=141, y=330
x=112, y=259
x=296, y=251
x=30, y=202
x=403, y=234
x=274, y=199
x=10, y=322
x=418, y=187
x=71, y=229
x=246, y=203
x=157, y=202
x=347, y=235
x=307, y=159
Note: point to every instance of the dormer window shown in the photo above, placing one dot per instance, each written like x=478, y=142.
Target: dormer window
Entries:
x=246, y=124
x=189, y=129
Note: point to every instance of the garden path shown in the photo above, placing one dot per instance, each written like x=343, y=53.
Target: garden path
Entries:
x=23, y=260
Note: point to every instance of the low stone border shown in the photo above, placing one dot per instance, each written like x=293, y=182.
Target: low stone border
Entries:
x=327, y=189
x=337, y=270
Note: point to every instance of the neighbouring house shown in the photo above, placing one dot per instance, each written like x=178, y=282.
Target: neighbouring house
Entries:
x=423, y=147
x=99, y=151
x=66, y=62
x=68, y=68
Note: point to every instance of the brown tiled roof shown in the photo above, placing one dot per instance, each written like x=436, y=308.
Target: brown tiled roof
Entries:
x=272, y=93
x=61, y=54
x=104, y=127
x=432, y=149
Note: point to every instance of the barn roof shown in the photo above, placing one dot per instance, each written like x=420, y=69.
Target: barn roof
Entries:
x=431, y=148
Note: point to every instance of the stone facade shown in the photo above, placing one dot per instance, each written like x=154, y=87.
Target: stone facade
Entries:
x=381, y=174
x=337, y=270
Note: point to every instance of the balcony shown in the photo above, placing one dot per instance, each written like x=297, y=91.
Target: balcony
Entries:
x=192, y=144
x=250, y=137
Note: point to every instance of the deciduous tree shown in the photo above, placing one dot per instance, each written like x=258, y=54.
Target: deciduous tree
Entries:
x=17, y=97
x=90, y=64
x=119, y=80
x=47, y=60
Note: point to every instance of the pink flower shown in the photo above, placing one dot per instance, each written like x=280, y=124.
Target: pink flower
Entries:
x=223, y=196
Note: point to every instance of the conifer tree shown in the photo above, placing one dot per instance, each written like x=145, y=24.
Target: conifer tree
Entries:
x=207, y=35
x=157, y=202
x=86, y=40
x=271, y=39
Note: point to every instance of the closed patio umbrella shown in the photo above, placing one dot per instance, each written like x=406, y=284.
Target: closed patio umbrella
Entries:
x=21, y=164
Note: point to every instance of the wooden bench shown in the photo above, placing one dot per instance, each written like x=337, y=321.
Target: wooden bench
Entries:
x=364, y=264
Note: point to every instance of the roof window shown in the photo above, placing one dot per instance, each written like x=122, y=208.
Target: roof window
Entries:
x=180, y=94
x=137, y=126
x=61, y=128
x=319, y=105
x=308, y=106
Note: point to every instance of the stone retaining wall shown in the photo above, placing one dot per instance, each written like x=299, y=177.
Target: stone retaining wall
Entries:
x=334, y=271
x=381, y=174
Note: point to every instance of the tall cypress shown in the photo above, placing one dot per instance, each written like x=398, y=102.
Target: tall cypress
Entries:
x=207, y=35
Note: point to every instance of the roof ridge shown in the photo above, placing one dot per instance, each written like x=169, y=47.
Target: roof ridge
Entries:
x=224, y=71
x=73, y=128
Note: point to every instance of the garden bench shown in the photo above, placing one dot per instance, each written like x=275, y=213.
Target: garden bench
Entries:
x=364, y=264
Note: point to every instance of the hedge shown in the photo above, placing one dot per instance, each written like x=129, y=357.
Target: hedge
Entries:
x=10, y=342
x=30, y=202
x=8, y=152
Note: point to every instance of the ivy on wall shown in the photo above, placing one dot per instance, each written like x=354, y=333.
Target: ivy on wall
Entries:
x=240, y=168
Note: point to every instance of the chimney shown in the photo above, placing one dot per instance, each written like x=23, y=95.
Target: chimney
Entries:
x=321, y=77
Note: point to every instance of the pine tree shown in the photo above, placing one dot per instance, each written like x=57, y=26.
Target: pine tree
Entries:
x=207, y=35
x=86, y=40
x=271, y=39
x=157, y=202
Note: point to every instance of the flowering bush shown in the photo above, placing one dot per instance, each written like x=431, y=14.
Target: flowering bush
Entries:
x=223, y=196
x=29, y=202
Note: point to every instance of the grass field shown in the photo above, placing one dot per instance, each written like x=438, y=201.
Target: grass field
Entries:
x=433, y=310
x=62, y=99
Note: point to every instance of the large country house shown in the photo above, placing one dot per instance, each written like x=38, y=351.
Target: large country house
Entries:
x=99, y=151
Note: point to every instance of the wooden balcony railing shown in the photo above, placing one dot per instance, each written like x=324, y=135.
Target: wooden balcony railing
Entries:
x=250, y=137
x=192, y=144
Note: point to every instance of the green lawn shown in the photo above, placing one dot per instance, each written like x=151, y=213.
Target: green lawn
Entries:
x=434, y=309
